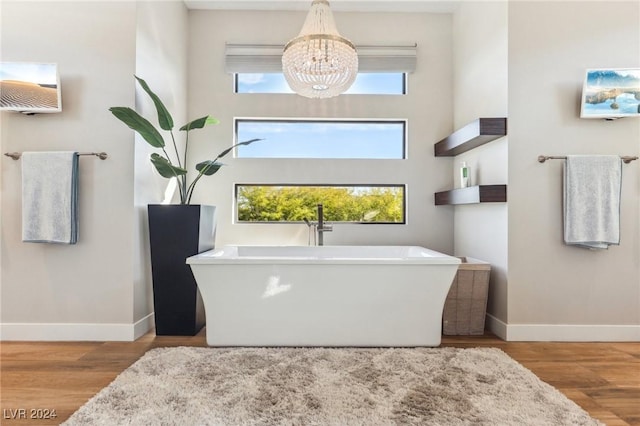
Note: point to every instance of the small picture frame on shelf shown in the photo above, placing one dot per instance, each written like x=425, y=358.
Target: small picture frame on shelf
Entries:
x=611, y=93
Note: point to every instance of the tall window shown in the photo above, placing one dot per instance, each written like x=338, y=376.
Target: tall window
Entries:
x=362, y=139
x=295, y=203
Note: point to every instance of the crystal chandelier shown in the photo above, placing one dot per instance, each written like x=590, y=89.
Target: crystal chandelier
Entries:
x=319, y=62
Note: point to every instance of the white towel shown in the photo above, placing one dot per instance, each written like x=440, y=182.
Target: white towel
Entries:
x=50, y=197
x=592, y=186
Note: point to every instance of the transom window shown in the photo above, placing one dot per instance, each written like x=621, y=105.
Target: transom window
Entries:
x=381, y=204
x=365, y=84
x=306, y=138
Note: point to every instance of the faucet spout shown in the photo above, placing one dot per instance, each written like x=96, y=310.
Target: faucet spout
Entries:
x=322, y=227
x=320, y=216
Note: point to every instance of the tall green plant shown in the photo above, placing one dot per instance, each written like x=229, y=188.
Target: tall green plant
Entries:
x=162, y=162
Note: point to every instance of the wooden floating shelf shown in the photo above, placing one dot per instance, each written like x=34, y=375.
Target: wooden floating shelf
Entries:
x=473, y=135
x=472, y=195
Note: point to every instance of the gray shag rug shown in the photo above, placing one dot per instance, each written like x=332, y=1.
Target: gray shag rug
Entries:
x=328, y=386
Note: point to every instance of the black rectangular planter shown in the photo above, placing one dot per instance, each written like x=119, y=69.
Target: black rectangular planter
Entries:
x=175, y=233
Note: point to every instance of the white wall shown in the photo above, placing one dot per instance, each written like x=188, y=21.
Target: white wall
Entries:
x=480, y=90
x=428, y=107
x=558, y=292
x=161, y=60
x=98, y=289
x=88, y=283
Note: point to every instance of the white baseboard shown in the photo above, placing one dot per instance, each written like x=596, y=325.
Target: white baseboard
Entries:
x=496, y=326
x=562, y=332
x=131, y=332
x=142, y=327
x=59, y=332
x=572, y=333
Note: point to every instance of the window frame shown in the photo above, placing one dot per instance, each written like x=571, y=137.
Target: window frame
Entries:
x=403, y=121
x=403, y=186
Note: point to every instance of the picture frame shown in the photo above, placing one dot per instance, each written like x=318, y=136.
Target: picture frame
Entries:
x=610, y=93
x=30, y=87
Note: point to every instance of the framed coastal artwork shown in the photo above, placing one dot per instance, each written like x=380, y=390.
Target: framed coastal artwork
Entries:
x=30, y=87
x=611, y=93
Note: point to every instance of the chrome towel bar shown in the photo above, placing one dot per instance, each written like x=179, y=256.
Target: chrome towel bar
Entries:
x=100, y=155
x=543, y=158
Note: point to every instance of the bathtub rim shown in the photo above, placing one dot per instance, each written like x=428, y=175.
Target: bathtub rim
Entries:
x=228, y=255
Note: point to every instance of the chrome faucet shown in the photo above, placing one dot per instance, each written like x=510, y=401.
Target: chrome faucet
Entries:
x=322, y=227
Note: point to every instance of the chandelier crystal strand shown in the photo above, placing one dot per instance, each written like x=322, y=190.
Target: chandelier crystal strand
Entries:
x=319, y=62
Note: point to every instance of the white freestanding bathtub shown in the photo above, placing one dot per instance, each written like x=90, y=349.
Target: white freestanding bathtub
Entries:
x=323, y=296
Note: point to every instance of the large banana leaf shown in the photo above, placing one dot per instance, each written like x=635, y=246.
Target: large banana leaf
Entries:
x=140, y=124
x=208, y=167
x=165, y=168
x=226, y=151
x=199, y=123
x=164, y=117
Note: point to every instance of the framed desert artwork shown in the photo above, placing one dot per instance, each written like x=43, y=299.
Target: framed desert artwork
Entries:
x=30, y=87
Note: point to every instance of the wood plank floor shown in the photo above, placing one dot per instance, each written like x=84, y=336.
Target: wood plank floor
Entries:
x=603, y=378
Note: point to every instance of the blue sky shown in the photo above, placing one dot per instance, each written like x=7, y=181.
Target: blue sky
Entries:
x=322, y=139
x=27, y=71
x=366, y=83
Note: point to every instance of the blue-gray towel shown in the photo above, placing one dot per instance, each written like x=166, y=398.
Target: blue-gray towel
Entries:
x=50, y=197
x=592, y=186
